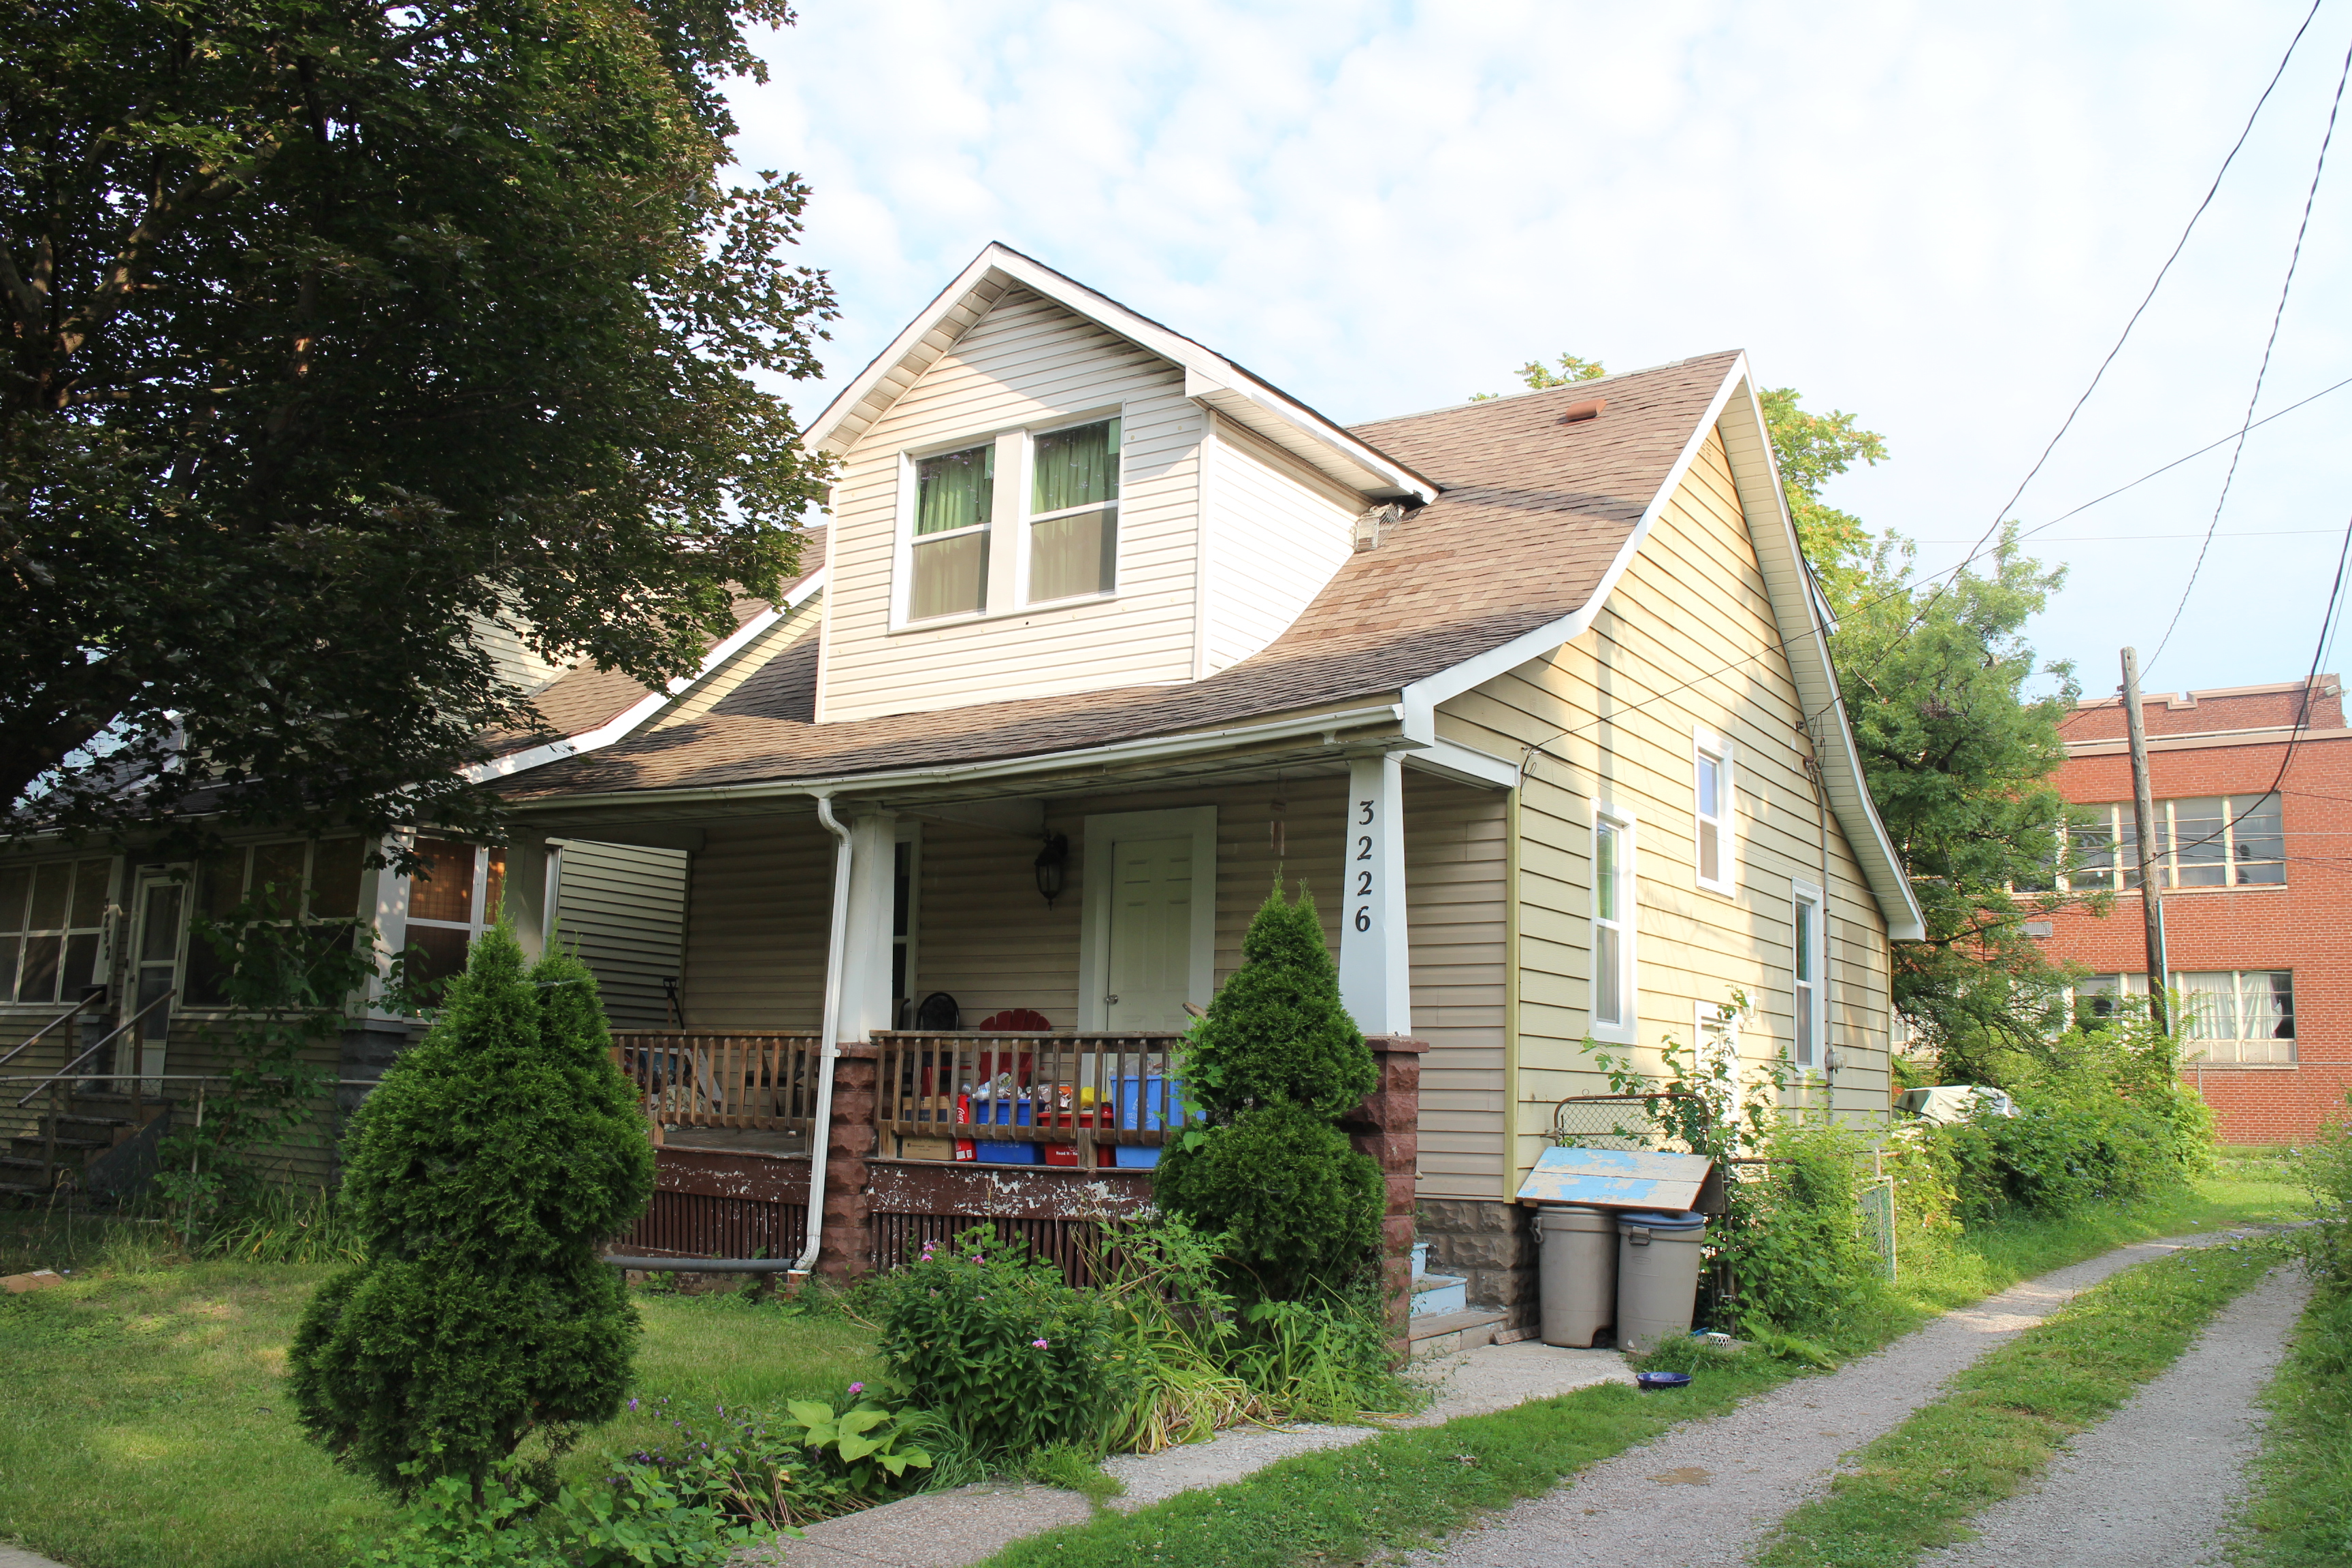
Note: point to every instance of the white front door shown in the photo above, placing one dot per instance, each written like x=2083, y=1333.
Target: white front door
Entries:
x=1149, y=976
x=155, y=970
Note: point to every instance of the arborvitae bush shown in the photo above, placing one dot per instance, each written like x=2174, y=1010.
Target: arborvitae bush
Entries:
x=1276, y=1034
x=483, y=1176
x=1276, y=1061
x=1297, y=1202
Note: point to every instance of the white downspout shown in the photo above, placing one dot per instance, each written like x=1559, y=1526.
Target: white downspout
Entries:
x=829, y=1051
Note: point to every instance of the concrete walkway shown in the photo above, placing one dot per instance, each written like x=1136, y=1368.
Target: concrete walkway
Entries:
x=1704, y=1494
x=2156, y=1482
x=971, y=1524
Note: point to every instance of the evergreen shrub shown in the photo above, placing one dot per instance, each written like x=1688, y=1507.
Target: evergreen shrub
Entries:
x=482, y=1176
x=1274, y=1065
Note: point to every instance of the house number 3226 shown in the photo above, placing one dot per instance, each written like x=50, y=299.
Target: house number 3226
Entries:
x=1363, y=918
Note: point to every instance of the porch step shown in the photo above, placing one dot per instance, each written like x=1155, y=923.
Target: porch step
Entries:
x=1435, y=1295
x=1443, y=1333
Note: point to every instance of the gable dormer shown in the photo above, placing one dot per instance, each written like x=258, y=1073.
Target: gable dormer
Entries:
x=1042, y=492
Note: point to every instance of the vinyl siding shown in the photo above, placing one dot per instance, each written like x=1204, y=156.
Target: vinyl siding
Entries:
x=1277, y=533
x=760, y=896
x=1688, y=639
x=621, y=908
x=1455, y=857
x=1024, y=362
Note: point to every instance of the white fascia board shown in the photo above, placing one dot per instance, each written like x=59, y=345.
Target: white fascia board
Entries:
x=1466, y=764
x=1422, y=698
x=651, y=702
x=1354, y=463
x=1803, y=623
x=1148, y=750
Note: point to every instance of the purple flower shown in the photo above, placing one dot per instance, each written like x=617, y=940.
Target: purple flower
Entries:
x=632, y=1405
x=857, y=1388
x=1041, y=1344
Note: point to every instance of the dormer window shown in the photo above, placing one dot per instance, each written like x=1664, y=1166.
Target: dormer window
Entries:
x=1057, y=486
x=1074, y=512
x=955, y=494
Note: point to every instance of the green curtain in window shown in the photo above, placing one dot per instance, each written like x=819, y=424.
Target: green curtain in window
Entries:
x=955, y=490
x=1077, y=468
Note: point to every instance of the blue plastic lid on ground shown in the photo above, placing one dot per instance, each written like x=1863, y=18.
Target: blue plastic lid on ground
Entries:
x=1662, y=1379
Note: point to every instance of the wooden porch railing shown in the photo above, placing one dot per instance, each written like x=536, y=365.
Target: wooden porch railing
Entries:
x=762, y=1079
x=1082, y=1091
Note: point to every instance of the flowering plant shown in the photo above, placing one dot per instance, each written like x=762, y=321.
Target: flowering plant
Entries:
x=998, y=1345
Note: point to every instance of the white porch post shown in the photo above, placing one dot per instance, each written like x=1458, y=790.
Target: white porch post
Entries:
x=866, y=996
x=1375, y=957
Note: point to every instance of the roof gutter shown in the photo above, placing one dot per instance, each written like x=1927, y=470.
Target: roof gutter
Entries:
x=1152, y=750
x=829, y=1048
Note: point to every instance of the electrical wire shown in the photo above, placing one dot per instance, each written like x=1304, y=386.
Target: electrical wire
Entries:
x=2285, y=288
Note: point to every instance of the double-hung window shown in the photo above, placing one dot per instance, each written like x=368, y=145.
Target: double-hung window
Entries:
x=1074, y=512
x=1711, y=811
x=1808, y=971
x=955, y=495
x=1615, y=1008
x=1058, y=491
x=2209, y=841
x=453, y=898
x=51, y=917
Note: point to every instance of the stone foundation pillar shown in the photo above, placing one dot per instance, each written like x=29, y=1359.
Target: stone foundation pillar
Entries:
x=1387, y=1126
x=847, y=1248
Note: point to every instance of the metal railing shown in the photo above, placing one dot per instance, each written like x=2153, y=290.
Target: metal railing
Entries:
x=29, y=1041
x=1076, y=1091
x=756, y=1079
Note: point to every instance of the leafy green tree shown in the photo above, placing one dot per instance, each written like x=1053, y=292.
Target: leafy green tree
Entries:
x=1274, y=1064
x=484, y=1174
x=1812, y=450
x=344, y=339
x=1958, y=755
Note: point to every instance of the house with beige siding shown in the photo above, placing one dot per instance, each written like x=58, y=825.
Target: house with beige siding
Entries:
x=1103, y=635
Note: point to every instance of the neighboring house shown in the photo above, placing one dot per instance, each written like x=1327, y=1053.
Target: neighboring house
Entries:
x=1531, y=693
x=2253, y=785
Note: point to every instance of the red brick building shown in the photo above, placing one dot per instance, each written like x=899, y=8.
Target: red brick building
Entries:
x=2254, y=829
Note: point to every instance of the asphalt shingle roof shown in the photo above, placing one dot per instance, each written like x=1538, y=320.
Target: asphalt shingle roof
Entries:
x=1534, y=511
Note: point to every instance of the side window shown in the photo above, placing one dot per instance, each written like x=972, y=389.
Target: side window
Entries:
x=1074, y=512
x=954, y=498
x=293, y=879
x=1809, y=965
x=1615, y=1008
x=452, y=899
x=52, y=917
x=1711, y=812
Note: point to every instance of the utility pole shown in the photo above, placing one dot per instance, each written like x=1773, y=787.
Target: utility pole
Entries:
x=2144, y=826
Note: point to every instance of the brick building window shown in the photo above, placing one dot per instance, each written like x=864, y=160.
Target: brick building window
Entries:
x=2209, y=841
x=2226, y=1016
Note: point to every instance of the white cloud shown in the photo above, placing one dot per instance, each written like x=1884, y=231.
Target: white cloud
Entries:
x=1938, y=219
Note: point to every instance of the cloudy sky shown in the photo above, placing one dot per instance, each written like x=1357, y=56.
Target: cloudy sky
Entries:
x=1938, y=217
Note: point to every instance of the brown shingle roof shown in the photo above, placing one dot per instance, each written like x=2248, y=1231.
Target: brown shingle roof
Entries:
x=1533, y=514
x=586, y=697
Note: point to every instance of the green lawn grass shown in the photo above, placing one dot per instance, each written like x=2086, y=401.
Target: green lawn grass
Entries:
x=1404, y=1488
x=144, y=1423
x=2004, y=1420
x=2301, y=1513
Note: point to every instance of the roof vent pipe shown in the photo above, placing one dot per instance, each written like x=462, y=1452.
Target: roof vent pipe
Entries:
x=829, y=1045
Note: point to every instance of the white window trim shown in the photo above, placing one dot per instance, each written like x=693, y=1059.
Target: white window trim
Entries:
x=1627, y=1030
x=1806, y=893
x=1094, y=900
x=1007, y=582
x=1725, y=820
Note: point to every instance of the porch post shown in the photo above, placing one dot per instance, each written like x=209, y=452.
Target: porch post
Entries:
x=1375, y=957
x=865, y=962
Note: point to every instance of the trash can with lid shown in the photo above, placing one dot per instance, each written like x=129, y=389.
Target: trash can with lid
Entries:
x=1577, y=1268
x=1658, y=1257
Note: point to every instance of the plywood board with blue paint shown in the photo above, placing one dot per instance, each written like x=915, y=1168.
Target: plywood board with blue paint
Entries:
x=1616, y=1179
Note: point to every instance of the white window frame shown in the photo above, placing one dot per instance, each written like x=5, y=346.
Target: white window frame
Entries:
x=1723, y=818
x=1101, y=831
x=2118, y=878
x=1006, y=578
x=1809, y=998
x=1627, y=1028
x=1029, y=520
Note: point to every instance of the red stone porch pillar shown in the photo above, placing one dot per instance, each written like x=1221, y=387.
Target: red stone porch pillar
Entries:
x=1387, y=1126
x=847, y=1248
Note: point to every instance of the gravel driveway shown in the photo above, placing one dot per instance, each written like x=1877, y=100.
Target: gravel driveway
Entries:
x=1704, y=1494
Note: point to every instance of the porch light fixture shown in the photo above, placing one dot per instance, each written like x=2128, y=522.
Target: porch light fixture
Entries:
x=1053, y=866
